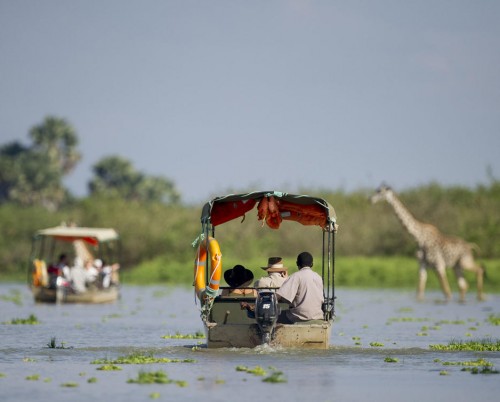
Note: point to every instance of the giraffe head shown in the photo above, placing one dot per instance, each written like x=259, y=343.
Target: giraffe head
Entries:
x=381, y=194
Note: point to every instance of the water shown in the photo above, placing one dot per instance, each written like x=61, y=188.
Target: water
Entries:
x=351, y=370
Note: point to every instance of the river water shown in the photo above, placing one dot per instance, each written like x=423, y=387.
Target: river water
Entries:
x=370, y=326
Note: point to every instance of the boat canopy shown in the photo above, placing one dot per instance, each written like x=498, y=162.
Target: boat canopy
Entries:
x=272, y=207
x=92, y=236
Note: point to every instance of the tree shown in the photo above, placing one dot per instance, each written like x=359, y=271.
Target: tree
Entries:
x=32, y=175
x=116, y=177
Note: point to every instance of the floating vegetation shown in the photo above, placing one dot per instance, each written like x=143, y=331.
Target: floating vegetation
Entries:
x=52, y=344
x=196, y=335
x=444, y=372
x=422, y=334
x=376, y=344
x=483, y=370
x=481, y=345
x=154, y=395
x=472, y=363
x=407, y=319
x=33, y=377
x=2, y=375
x=28, y=360
x=257, y=370
x=14, y=297
x=391, y=360
x=275, y=377
x=31, y=320
x=92, y=380
x=69, y=384
x=155, y=377
x=452, y=322
x=109, y=367
x=405, y=310
x=137, y=358
x=494, y=319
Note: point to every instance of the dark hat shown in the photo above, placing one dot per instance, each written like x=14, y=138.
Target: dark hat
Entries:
x=275, y=264
x=238, y=276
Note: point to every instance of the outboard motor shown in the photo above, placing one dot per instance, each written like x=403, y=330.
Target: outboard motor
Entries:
x=266, y=314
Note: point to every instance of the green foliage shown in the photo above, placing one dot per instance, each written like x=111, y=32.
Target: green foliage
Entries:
x=115, y=176
x=31, y=320
x=479, y=345
x=32, y=175
x=371, y=246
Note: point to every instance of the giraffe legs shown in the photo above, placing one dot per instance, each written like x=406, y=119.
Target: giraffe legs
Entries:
x=422, y=278
x=462, y=283
x=443, y=280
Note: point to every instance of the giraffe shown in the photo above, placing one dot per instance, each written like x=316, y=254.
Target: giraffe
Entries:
x=435, y=250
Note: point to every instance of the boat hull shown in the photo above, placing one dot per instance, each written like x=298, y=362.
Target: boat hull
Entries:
x=91, y=296
x=230, y=326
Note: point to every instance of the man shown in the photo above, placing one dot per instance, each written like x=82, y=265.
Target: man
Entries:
x=277, y=273
x=304, y=291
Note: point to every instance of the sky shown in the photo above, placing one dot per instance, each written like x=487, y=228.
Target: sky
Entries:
x=224, y=96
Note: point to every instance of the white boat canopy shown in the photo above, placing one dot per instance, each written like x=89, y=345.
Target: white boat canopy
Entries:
x=72, y=233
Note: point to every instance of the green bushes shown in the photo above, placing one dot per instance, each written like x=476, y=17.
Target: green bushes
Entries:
x=156, y=235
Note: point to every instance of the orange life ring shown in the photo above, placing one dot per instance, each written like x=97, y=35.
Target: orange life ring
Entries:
x=206, y=246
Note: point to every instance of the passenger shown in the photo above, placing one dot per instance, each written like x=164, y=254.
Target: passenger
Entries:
x=238, y=278
x=63, y=266
x=277, y=273
x=78, y=276
x=91, y=273
x=109, y=274
x=304, y=291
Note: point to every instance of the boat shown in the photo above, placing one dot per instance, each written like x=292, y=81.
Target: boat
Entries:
x=225, y=323
x=50, y=283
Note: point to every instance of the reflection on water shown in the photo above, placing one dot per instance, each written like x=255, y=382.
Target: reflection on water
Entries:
x=370, y=327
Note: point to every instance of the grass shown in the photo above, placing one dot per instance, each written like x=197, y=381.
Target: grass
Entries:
x=357, y=272
x=155, y=377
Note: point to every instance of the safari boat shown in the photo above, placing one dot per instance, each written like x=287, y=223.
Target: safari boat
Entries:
x=47, y=280
x=226, y=324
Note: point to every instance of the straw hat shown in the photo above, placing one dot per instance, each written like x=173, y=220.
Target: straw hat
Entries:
x=275, y=264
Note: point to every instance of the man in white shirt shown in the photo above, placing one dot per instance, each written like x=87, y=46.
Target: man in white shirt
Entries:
x=304, y=291
x=277, y=273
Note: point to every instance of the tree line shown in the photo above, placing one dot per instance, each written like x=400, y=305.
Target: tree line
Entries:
x=154, y=223
x=32, y=175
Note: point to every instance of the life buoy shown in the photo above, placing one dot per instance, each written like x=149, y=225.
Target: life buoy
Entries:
x=40, y=276
x=206, y=246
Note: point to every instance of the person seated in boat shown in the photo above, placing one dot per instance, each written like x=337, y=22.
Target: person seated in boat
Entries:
x=59, y=272
x=277, y=273
x=304, y=291
x=107, y=273
x=78, y=276
x=239, y=280
x=91, y=273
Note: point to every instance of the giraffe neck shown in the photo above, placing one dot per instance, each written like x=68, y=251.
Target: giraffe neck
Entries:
x=405, y=217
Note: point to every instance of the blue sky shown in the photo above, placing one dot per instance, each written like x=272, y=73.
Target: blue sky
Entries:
x=236, y=95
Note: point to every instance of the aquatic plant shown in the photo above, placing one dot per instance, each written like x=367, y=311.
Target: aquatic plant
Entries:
x=472, y=363
x=14, y=297
x=275, y=377
x=28, y=360
x=483, y=370
x=481, y=345
x=109, y=367
x=52, y=344
x=407, y=319
x=444, y=372
x=155, y=377
x=136, y=358
x=69, y=384
x=31, y=320
x=2, y=375
x=257, y=370
x=376, y=344
x=196, y=335
x=494, y=319
x=391, y=360
x=33, y=377
x=154, y=395
x=92, y=380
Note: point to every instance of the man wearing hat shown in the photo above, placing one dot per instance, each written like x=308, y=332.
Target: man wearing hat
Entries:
x=239, y=280
x=277, y=273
